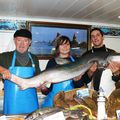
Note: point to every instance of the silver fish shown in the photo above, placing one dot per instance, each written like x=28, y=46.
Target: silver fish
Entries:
x=67, y=71
x=54, y=75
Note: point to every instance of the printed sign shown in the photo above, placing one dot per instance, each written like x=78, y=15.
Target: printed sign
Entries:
x=82, y=93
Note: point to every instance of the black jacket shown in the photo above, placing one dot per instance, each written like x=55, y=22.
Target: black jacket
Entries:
x=85, y=79
x=6, y=61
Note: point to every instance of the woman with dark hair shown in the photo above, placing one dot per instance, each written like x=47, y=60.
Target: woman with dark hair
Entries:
x=63, y=56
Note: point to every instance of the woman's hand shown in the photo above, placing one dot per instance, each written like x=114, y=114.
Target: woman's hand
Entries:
x=44, y=88
x=77, y=78
x=92, y=69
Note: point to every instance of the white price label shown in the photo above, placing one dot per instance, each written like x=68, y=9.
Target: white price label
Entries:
x=82, y=93
x=56, y=116
x=118, y=114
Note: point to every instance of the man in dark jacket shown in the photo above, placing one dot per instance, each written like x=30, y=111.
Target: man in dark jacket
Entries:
x=97, y=39
x=23, y=64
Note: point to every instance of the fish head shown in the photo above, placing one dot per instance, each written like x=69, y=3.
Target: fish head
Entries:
x=101, y=63
x=98, y=57
x=114, y=58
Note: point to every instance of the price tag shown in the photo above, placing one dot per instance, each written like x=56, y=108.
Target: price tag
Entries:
x=118, y=114
x=56, y=116
x=3, y=117
x=82, y=93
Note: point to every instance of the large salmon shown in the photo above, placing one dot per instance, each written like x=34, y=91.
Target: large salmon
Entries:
x=54, y=75
x=67, y=71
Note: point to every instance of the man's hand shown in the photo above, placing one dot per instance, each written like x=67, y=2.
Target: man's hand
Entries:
x=114, y=67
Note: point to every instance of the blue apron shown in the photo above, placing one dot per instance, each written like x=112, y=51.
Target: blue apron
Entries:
x=18, y=101
x=57, y=87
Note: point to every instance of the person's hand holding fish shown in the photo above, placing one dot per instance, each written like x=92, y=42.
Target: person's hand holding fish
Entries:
x=44, y=87
x=92, y=70
x=5, y=73
x=77, y=78
x=114, y=67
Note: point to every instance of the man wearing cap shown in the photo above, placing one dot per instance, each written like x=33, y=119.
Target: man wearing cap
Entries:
x=23, y=64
